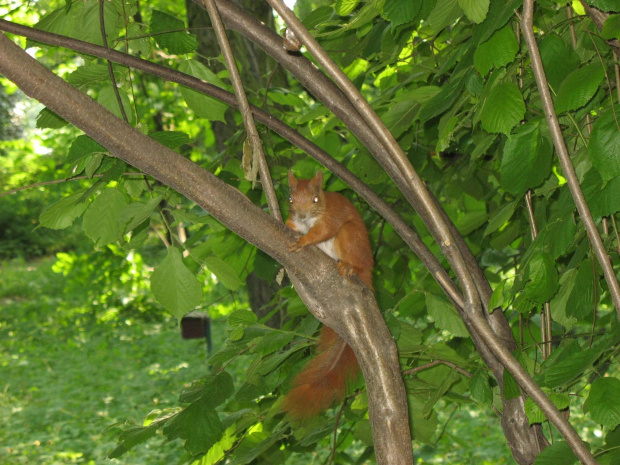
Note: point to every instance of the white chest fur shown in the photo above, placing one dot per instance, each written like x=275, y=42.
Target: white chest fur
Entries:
x=303, y=225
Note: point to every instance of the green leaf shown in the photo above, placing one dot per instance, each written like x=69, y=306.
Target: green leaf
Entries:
x=401, y=11
x=81, y=147
x=581, y=298
x=602, y=197
x=344, y=7
x=242, y=317
x=543, y=278
x=604, y=402
x=476, y=10
x=445, y=13
x=272, y=342
x=611, y=28
x=178, y=42
x=101, y=221
x=480, y=388
x=526, y=161
x=61, y=214
x=503, y=109
x=174, y=286
x=498, y=51
x=171, y=139
x=224, y=273
x=558, y=57
x=134, y=436
x=569, y=369
x=47, y=119
x=605, y=5
x=579, y=87
x=561, y=303
x=445, y=316
x=500, y=218
x=604, y=147
x=533, y=412
x=400, y=117
x=137, y=213
x=198, y=425
x=88, y=76
x=107, y=98
x=202, y=105
x=556, y=453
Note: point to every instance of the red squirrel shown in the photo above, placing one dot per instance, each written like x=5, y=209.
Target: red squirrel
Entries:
x=331, y=222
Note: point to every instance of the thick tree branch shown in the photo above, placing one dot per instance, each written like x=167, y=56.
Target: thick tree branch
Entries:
x=343, y=304
x=401, y=228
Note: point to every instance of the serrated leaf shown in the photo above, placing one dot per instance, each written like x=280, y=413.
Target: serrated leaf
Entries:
x=107, y=98
x=480, y=388
x=137, y=213
x=174, y=286
x=401, y=11
x=503, y=109
x=604, y=402
x=498, y=51
x=198, y=425
x=533, y=412
x=224, y=273
x=444, y=14
x=558, y=57
x=579, y=87
x=611, y=28
x=202, y=105
x=581, y=298
x=445, y=316
x=171, y=139
x=566, y=370
x=134, y=436
x=500, y=218
x=272, y=342
x=87, y=76
x=602, y=197
x=604, y=146
x=526, y=161
x=47, y=119
x=605, y=5
x=102, y=221
x=556, y=453
x=344, y=7
x=177, y=42
x=497, y=298
x=61, y=214
x=242, y=318
x=543, y=278
x=476, y=10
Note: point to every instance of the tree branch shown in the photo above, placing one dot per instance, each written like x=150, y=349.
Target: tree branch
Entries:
x=563, y=156
x=343, y=304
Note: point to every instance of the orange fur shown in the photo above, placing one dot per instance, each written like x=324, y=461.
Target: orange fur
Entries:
x=330, y=221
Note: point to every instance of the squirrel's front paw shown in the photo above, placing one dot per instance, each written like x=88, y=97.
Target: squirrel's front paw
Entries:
x=344, y=268
x=295, y=246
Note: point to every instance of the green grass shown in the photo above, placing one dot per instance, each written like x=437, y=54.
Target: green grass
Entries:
x=67, y=378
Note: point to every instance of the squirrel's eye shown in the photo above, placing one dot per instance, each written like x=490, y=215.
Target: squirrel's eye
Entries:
x=315, y=199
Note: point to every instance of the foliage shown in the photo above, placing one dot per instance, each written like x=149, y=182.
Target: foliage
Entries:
x=451, y=81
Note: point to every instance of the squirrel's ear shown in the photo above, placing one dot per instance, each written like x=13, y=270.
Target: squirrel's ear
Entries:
x=318, y=179
x=292, y=180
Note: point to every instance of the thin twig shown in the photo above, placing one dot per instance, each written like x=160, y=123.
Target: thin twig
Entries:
x=564, y=158
x=434, y=363
x=258, y=155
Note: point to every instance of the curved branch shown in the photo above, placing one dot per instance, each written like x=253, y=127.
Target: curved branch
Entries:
x=375, y=201
x=565, y=162
x=358, y=318
x=257, y=155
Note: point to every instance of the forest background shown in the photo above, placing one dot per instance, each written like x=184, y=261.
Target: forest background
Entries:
x=493, y=224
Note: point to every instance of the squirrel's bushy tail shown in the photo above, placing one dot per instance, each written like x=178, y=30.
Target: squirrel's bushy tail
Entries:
x=323, y=381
